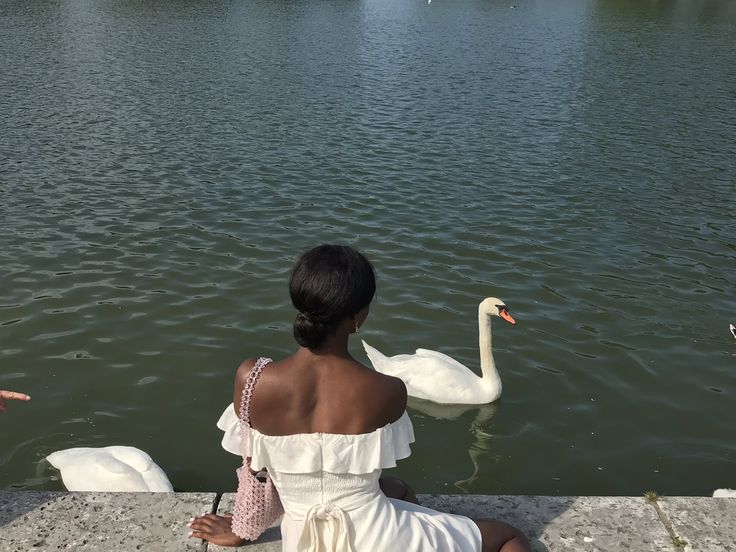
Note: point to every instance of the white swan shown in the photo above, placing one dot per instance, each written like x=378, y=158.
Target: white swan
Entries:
x=724, y=493
x=436, y=377
x=111, y=469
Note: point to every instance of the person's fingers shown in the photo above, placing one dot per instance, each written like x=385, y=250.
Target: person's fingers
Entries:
x=208, y=523
x=200, y=524
x=202, y=528
x=204, y=519
x=14, y=395
x=215, y=529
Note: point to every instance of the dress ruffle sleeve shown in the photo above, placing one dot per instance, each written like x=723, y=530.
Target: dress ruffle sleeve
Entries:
x=329, y=452
x=232, y=439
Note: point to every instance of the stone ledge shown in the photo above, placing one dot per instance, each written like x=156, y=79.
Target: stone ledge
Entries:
x=156, y=522
x=92, y=522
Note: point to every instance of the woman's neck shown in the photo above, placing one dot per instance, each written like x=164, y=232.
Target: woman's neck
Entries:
x=334, y=346
x=336, y=343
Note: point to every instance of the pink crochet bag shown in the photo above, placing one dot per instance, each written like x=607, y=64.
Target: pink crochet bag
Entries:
x=257, y=503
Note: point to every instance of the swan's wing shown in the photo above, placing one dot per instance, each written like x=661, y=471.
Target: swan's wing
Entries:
x=423, y=360
x=432, y=376
x=153, y=476
x=135, y=458
x=447, y=361
x=424, y=364
x=99, y=470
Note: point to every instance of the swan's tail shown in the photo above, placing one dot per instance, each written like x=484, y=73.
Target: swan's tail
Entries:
x=376, y=357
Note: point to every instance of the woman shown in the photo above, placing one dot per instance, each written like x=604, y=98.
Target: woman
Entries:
x=325, y=426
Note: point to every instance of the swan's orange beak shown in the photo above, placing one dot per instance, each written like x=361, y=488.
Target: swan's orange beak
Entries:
x=504, y=313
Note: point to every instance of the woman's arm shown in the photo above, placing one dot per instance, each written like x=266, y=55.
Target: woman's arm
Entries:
x=241, y=375
x=393, y=487
x=214, y=528
x=394, y=391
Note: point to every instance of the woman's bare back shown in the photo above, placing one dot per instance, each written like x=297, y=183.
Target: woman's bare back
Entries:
x=308, y=393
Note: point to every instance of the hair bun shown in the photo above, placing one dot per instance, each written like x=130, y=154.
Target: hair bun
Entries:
x=328, y=284
x=308, y=331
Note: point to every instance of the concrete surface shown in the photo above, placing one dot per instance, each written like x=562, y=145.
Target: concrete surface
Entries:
x=86, y=522
x=705, y=524
x=270, y=541
x=156, y=522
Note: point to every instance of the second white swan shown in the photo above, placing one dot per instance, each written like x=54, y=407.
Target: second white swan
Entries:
x=437, y=377
x=109, y=469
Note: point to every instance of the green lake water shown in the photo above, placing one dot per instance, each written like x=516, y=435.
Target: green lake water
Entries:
x=162, y=164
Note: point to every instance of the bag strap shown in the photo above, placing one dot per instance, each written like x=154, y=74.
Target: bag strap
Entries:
x=250, y=383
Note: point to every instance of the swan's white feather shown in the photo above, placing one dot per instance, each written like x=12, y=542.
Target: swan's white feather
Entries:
x=724, y=493
x=112, y=469
x=449, y=363
x=439, y=378
x=427, y=371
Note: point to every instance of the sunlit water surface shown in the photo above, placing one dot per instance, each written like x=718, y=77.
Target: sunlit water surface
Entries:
x=162, y=165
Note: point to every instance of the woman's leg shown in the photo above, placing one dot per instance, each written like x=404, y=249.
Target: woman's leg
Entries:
x=501, y=537
x=393, y=487
x=497, y=536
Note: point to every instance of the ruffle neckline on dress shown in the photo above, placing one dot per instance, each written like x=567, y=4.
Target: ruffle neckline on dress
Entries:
x=333, y=452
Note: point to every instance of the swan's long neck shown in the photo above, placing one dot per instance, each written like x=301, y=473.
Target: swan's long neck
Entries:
x=487, y=364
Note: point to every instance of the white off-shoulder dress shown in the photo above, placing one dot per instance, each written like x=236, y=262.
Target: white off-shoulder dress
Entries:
x=328, y=485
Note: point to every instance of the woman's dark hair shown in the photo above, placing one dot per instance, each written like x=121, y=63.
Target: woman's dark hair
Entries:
x=328, y=284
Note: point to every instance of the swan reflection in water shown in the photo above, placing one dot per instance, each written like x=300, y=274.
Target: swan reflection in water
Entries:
x=479, y=428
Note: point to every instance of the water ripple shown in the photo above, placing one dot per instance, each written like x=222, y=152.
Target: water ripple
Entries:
x=152, y=207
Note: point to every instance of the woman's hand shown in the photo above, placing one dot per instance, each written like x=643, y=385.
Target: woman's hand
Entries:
x=11, y=395
x=215, y=529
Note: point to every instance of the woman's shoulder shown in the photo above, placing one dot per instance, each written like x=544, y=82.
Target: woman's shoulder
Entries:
x=287, y=384
x=388, y=396
x=394, y=387
x=241, y=376
x=244, y=369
